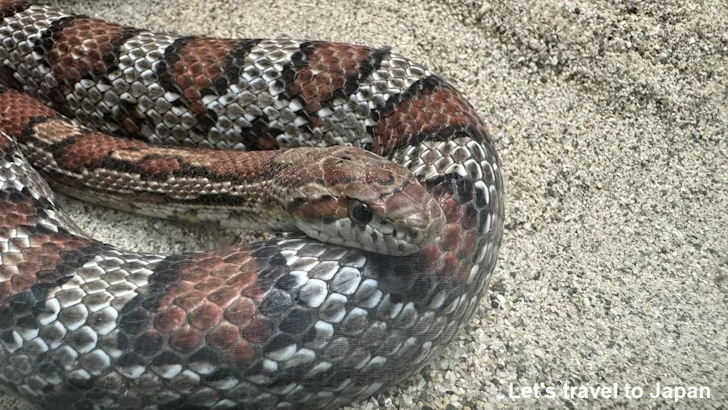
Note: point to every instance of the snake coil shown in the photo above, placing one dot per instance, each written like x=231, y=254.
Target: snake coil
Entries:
x=285, y=323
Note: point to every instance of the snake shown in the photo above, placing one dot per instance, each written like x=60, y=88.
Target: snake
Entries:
x=383, y=183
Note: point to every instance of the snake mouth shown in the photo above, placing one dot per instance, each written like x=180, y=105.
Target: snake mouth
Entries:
x=385, y=241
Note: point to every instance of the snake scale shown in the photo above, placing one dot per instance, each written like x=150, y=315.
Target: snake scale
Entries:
x=292, y=322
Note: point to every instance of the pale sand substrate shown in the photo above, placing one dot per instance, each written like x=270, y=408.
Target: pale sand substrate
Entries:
x=611, y=121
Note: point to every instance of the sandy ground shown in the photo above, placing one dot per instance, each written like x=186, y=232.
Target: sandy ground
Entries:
x=612, y=124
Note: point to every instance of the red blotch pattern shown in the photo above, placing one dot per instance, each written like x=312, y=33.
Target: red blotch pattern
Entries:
x=16, y=111
x=84, y=47
x=430, y=111
x=329, y=66
x=201, y=61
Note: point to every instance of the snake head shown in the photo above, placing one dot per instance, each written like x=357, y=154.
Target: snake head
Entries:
x=355, y=198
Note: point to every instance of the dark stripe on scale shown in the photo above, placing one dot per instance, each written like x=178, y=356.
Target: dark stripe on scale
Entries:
x=445, y=132
x=9, y=9
x=164, y=67
x=423, y=85
x=111, y=58
x=299, y=61
x=259, y=136
x=42, y=48
x=231, y=72
x=13, y=7
x=351, y=84
x=234, y=65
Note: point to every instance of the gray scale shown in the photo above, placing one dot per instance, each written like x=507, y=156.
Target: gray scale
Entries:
x=36, y=78
x=354, y=323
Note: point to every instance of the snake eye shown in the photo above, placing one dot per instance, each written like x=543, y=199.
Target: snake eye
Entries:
x=359, y=212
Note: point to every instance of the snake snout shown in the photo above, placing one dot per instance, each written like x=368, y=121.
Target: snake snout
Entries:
x=415, y=219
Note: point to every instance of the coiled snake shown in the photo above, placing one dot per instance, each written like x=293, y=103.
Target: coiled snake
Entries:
x=396, y=257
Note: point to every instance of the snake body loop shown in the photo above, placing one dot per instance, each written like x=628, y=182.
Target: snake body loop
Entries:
x=286, y=323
